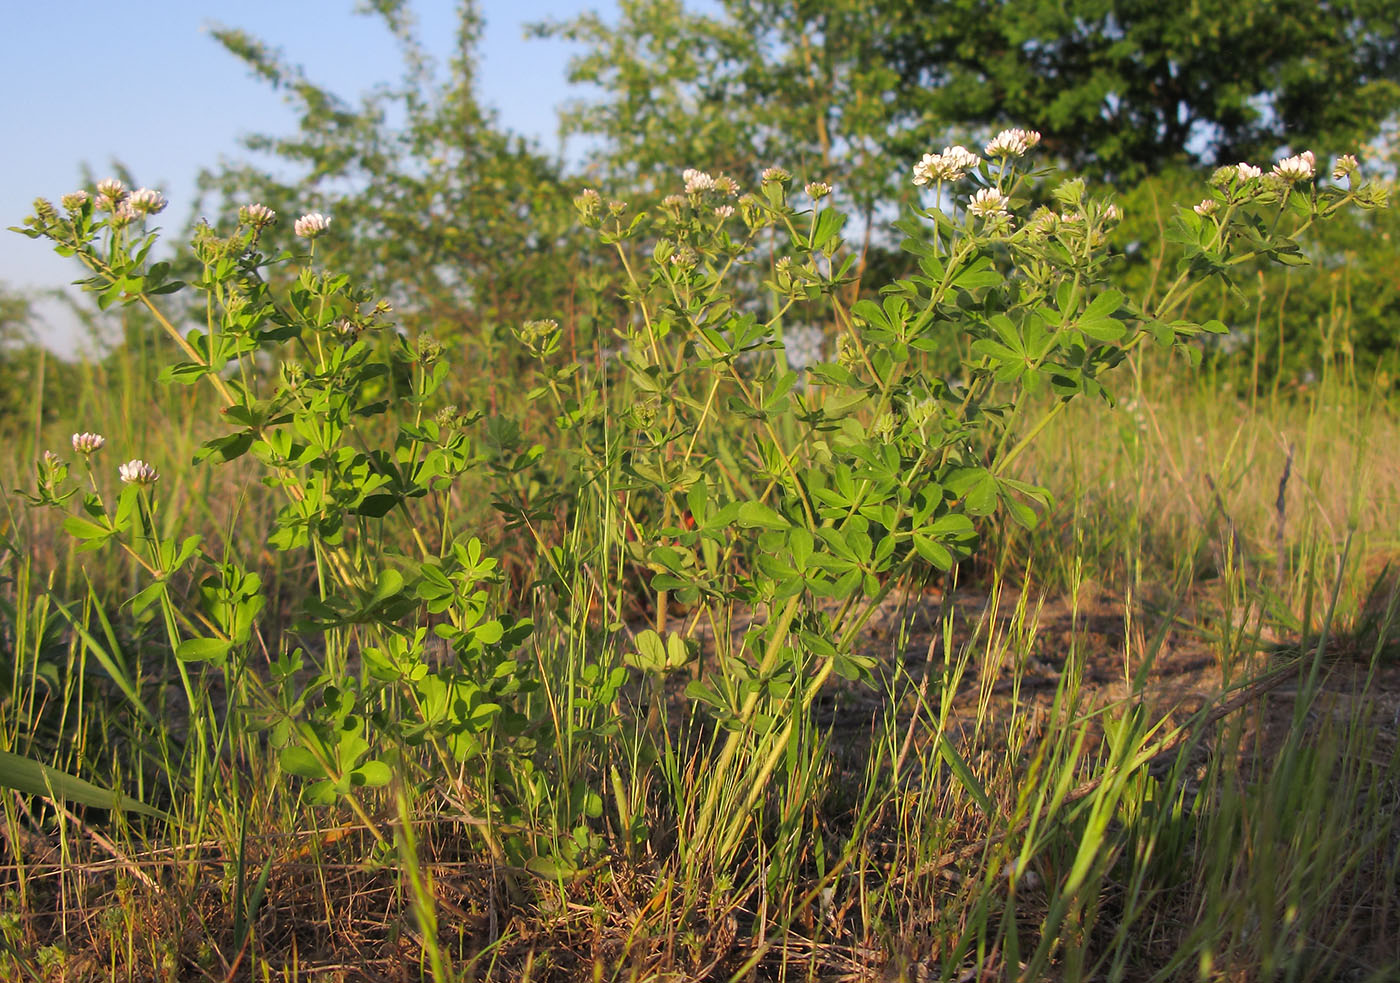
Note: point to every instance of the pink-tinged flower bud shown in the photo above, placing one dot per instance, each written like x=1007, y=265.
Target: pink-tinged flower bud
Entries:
x=112, y=188
x=311, y=225
x=1206, y=207
x=138, y=472
x=74, y=201
x=147, y=201
x=817, y=190
x=87, y=443
x=776, y=175
x=724, y=211
x=259, y=216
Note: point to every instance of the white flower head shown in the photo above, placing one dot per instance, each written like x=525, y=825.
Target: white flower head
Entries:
x=724, y=211
x=696, y=181
x=1247, y=172
x=1207, y=206
x=138, y=472
x=950, y=165
x=86, y=443
x=673, y=201
x=727, y=185
x=1299, y=167
x=112, y=188
x=1345, y=167
x=817, y=190
x=258, y=215
x=310, y=225
x=988, y=203
x=147, y=201
x=1011, y=143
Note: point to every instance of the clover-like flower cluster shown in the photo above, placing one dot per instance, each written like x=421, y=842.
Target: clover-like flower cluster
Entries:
x=311, y=225
x=1299, y=167
x=147, y=201
x=989, y=203
x=258, y=215
x=138, y=472
x=86, y=443
x=950, y=165
x=1012, y=143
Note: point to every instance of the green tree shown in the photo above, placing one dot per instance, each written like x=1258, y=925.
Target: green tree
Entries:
x=463, y=225
x=1129, y=87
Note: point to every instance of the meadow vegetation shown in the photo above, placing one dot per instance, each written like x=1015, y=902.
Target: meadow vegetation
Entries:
x=829, y=560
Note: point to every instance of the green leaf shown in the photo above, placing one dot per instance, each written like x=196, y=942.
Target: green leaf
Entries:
x=757, y=515
x=32, y=778
x=211, y=650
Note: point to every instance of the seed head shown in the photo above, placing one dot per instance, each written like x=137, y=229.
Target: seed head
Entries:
x=138, y=472
x=311, y=225
x=87, y=443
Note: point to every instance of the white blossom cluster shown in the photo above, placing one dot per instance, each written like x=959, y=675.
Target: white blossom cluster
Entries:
x=1012, y=143
x=311, y=225
x=950, y=165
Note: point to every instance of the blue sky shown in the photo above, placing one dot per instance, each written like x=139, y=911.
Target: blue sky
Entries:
x=145, y=84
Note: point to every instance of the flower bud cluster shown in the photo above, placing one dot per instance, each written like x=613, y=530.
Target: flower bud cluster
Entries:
x=257, y=215
x=87, y=443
